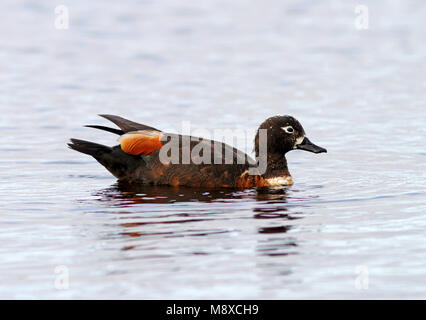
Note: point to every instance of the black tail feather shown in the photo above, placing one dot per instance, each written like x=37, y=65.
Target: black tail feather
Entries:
x=115, y=160
x=90, y=148
x=126, y=125
x=116, y=131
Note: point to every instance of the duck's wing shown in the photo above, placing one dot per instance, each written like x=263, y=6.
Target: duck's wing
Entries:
x=185, y=148
x=204, y=163
x=141, y=142
x=124, y=124
x=127, y=125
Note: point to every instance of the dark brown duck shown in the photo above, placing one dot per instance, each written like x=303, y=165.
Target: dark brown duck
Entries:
x=149, y=156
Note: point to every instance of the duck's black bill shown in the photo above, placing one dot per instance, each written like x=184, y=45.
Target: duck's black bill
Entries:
x=309, y=146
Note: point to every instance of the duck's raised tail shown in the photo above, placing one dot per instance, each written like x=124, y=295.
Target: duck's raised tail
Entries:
x=115, y=160
x=94, y=149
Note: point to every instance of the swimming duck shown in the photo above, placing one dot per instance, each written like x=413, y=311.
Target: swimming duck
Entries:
x=150, y=156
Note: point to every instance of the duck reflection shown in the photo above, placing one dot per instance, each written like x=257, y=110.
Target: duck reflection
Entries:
x=274, y=209
x=272, y=214
x=273, y=205
x=123, y=193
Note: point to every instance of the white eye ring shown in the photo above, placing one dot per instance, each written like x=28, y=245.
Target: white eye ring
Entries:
x=288, y=129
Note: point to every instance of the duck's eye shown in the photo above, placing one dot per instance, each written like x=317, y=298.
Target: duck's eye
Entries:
x=288, y=129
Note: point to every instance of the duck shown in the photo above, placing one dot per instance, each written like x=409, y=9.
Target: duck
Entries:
x=146, y=155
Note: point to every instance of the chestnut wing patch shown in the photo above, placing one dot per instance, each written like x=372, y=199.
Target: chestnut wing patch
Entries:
x=142, y=142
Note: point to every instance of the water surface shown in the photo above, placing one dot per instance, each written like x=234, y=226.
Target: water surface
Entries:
x=352, y=226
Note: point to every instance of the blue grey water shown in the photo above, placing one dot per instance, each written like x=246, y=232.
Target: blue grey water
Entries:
x=352, y=226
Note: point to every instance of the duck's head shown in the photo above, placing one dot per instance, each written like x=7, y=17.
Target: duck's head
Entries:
x=285, y=133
